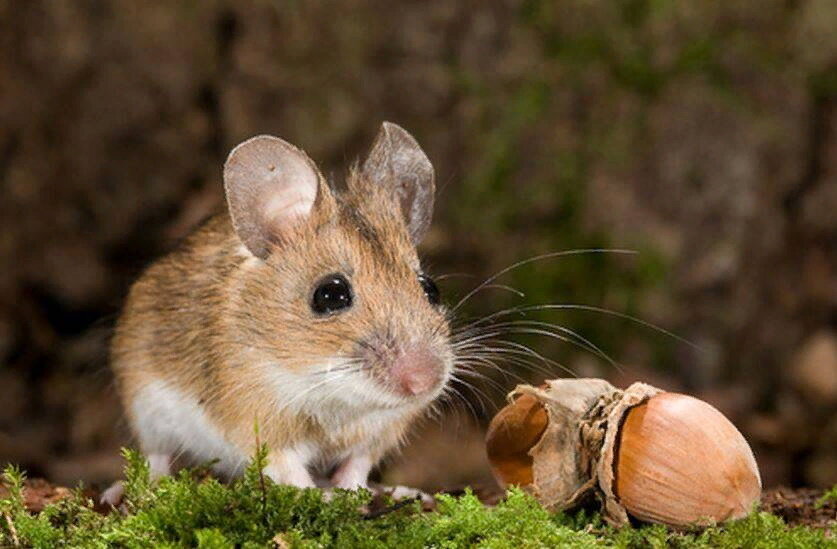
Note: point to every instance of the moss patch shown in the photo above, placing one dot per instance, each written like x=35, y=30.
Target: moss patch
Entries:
x=193, y=510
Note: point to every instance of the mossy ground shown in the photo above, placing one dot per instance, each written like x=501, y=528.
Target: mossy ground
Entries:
x=193, y=510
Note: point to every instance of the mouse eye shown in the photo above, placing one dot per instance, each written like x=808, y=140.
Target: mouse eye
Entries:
x=333, y=293
x=430, y=289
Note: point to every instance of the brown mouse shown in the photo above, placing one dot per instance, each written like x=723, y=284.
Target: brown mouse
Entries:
x=303, y=310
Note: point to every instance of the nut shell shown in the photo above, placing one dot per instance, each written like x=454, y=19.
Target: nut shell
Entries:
x=679, y=461
x=512, y=433
x=542, y=452
x=659, y=457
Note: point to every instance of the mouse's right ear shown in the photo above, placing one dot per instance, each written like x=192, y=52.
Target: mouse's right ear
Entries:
x=271, y=187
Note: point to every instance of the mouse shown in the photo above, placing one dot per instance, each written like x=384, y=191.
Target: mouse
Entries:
x=301, y=312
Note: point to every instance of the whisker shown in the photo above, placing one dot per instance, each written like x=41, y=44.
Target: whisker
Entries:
x=464, y=401
x=477, y=392
x=519, y=348
x=583, y=344
x=581, y=307
x=505, y=287
x=453, y=275
x=463, y=369
x=287, y=405
x=356, y=364
x=485, y=359
x=517, y=358
x=486, y=362
x=646, y=324
x=500, y=273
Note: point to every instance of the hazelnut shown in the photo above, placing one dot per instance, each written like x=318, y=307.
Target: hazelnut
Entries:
x=659, y=457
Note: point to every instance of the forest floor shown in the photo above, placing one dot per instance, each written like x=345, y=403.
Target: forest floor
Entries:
x=808, y=518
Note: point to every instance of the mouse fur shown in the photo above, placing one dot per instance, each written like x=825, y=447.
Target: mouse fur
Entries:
x=218, y=338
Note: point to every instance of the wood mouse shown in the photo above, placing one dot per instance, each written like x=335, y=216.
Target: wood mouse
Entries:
x=303, y=309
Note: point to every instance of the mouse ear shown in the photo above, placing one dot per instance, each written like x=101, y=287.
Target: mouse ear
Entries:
x=397, y=162
x=271, y=186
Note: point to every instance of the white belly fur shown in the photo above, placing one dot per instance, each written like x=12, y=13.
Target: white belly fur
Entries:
x=169, y=421
x=172, y=422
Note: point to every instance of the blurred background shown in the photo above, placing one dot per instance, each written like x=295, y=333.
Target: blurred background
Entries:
x=703, y=135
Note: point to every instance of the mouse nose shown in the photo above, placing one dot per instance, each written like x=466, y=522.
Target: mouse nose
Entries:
x=416, y=371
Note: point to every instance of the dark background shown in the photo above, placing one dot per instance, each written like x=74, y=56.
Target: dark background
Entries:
x=702, y=134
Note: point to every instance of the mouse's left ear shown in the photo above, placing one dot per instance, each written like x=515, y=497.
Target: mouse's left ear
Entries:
x=397, y=162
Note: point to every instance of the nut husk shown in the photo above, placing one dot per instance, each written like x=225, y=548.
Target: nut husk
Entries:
x=659, y=457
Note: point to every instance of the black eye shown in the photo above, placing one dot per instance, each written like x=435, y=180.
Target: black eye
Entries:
x=333, y=293
x=430, y=289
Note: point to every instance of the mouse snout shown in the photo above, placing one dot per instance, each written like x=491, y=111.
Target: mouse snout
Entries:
x=416, y=371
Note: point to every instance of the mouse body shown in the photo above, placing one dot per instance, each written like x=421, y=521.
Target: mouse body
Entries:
x=302, y=313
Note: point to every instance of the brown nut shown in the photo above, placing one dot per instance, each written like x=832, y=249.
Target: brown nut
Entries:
x=660, y=457
x=680, y=461
x=513, y=431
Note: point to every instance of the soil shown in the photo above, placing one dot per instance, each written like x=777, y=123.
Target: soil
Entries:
x=797, y=507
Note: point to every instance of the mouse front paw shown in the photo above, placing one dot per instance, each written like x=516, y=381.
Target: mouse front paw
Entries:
x=113, y=495
x=398, y=493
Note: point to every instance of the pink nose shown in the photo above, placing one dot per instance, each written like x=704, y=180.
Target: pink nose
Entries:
x=416, y=371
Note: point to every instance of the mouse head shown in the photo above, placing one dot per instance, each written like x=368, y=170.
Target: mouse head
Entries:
x=331, y=288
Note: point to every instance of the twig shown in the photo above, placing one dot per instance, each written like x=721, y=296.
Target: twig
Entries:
x=394, y=507
x=262, y=487
x=12, y=528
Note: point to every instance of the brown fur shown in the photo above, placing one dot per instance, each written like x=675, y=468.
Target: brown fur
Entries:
x=212, y=320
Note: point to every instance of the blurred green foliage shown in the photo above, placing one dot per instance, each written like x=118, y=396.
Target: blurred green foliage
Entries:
x=578, y=105
x=545, y=212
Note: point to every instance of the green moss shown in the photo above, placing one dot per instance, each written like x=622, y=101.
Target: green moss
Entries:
x=192, y=511
x=829, y=496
